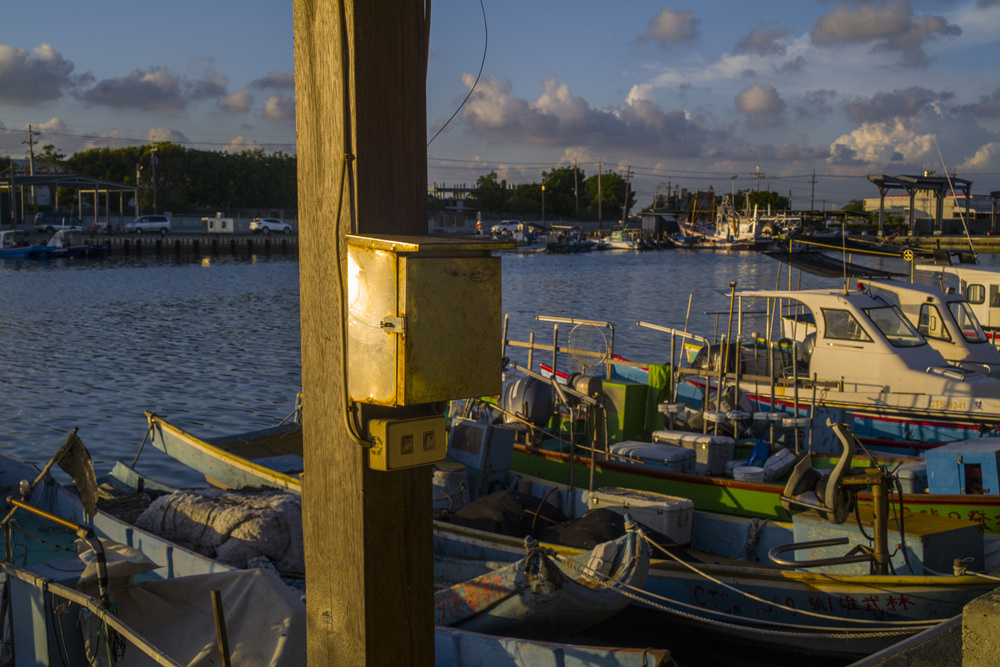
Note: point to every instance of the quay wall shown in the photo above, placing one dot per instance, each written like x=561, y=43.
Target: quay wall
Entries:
x=200, y=245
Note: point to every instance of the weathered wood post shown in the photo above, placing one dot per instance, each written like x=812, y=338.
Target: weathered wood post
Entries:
x=360, y=70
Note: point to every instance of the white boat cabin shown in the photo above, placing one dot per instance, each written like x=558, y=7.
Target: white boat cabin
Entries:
x=867, y=344
x=948, y=323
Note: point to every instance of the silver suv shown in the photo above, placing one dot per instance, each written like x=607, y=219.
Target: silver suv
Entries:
x=149, y=223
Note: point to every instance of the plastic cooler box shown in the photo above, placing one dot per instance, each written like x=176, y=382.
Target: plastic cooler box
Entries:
x=712, y=452
x=664, y=457
x=669, y=515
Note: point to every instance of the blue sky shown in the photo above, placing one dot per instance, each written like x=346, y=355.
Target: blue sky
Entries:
x=679, y=94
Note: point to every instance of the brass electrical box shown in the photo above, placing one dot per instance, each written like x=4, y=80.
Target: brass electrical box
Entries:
x=424, y=319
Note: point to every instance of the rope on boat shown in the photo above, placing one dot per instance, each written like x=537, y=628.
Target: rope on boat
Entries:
x=802, y=631
x=778, y=604
x=149, y=429
x=961, y=569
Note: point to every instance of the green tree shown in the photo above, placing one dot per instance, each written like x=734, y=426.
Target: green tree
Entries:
x=560, y=192
x=856, y=206
x=763, y=199
x=490, y=195
x=612, y=196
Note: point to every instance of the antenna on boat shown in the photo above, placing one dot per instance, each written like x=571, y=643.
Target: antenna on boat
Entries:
x=843, y=252
x=951, y=186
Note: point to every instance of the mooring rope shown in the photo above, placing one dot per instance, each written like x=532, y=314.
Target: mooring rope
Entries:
x=800, y=631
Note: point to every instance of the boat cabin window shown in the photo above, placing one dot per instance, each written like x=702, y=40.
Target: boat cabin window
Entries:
x=967, y=322
x=976, y=294
x=994, y=296
x=895, y=327
x=931, y=324
x=842, y=325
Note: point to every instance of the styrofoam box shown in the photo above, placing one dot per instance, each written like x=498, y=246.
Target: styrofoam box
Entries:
x=711, y=451
x=669, y=515
x=665, y=457
x=913, y=476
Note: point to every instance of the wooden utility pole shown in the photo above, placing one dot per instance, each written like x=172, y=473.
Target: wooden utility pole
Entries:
x=360, y=71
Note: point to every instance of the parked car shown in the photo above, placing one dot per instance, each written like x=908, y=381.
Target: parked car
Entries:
x=268, y=225
x=51, y=222
x=148, y=223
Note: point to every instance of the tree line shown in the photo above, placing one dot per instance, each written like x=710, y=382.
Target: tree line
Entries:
x=569, y=194
x=187, y=180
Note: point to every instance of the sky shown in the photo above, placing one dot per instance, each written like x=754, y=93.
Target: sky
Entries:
x=727, y=94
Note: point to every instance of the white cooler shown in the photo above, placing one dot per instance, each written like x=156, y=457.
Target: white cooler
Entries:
x=664, y=457
x=712, y=452
x=669, y=515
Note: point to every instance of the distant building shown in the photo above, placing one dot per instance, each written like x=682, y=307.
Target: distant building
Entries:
x=925, y=205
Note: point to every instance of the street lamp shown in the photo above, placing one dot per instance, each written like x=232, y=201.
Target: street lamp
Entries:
x=543, y=205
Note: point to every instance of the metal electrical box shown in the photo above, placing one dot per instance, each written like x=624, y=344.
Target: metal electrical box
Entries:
x=424, y=319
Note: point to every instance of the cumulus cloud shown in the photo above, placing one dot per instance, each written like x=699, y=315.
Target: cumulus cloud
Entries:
x=163, y=133
x=238, y=102
x=42, y=75
x=212, y=85
x=886, y=106
x=763, y=42
x=762, y=104
x=153, y=89
x=275, y=81
x=279, y=107
x=558, y=117
x=671, y=27
x=815, y=104
x=988, y=106
x=240, y=144
x=933, y=138
x=889, y=25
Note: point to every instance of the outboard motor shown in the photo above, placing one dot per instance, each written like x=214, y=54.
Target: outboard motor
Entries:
x=530, y=399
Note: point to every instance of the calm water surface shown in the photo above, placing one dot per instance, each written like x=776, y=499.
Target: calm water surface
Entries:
x=214, y=345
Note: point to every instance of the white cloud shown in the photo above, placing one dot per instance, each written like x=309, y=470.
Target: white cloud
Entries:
x=671, y=27
x=279, y=107
x=33, y=78
x=163, y=133
x=238, y=102
x=240, y=144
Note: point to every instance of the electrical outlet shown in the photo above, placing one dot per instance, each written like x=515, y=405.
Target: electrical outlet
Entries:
x=406, y=443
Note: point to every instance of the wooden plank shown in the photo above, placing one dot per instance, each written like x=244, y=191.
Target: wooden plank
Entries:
x=360, y=71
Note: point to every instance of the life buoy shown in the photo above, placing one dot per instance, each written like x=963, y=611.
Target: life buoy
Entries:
x=479, y=226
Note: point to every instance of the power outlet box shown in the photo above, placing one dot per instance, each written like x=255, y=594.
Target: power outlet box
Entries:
x=406, y=443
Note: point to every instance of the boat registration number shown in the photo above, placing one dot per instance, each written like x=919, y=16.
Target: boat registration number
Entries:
x=945, y=404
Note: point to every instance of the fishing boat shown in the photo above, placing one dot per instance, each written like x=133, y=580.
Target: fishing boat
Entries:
x=457, y=648
x=620, y=239
x=263, y=618
x=49, y=525
x=14, y=244
x=730, y=230
x=538, y=597
x=855, y=352
x=831, y=611
x=946, y=320
x=980, y=285
x=71, y=244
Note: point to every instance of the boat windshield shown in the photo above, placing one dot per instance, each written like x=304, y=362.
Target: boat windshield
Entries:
x=967, y=322
x=896, y=328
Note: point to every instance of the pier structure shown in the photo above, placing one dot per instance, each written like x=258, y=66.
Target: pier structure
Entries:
x=938, y=185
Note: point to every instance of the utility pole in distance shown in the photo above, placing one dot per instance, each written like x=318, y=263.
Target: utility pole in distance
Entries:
x=600, y=217
x=360, y=77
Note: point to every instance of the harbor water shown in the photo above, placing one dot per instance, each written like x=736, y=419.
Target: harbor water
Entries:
x=214, y=344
